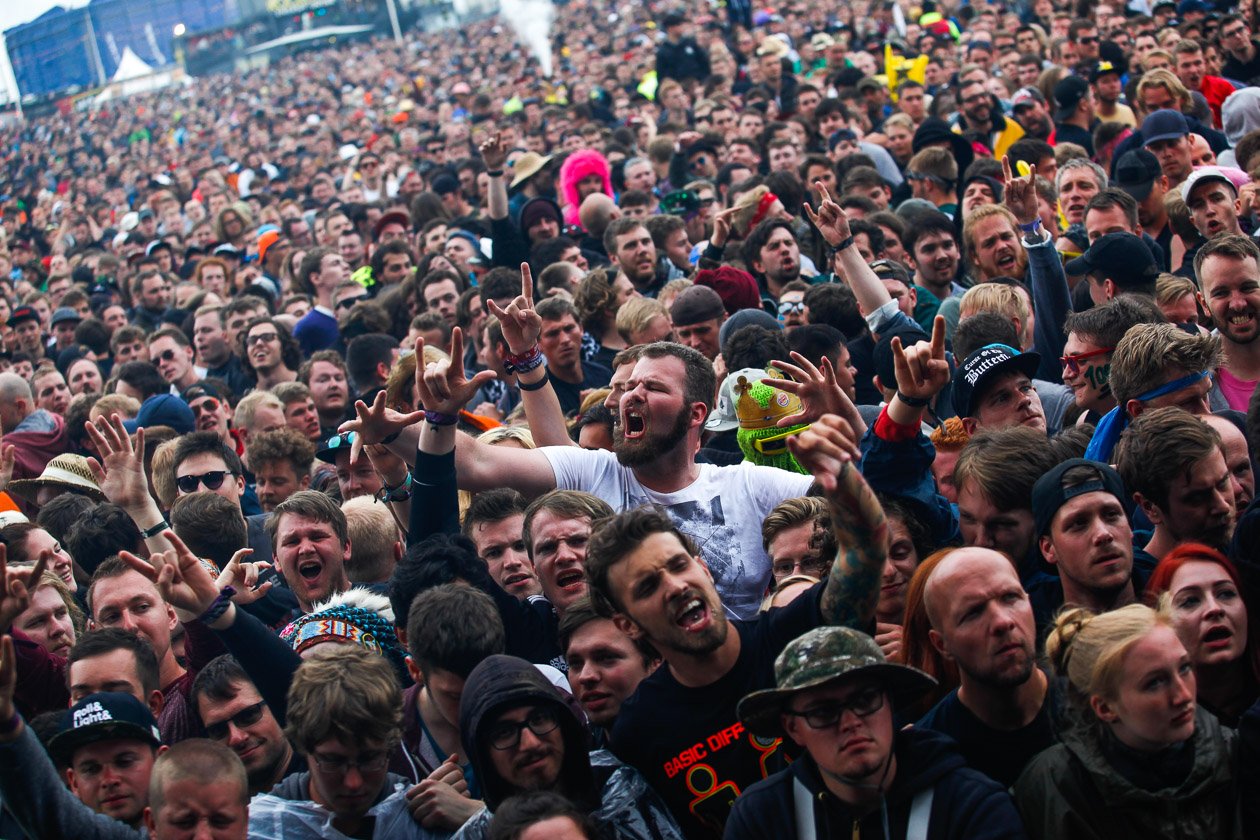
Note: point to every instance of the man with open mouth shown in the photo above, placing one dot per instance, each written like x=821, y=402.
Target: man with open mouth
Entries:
x=1228, y=267
x=650, y=576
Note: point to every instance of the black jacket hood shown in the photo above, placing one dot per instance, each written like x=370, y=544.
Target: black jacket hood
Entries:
x=501, y=683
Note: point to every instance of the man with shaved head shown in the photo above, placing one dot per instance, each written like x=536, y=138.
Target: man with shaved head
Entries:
x=982, y=621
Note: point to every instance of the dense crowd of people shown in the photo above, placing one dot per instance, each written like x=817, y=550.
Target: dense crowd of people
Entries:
x=776, y=422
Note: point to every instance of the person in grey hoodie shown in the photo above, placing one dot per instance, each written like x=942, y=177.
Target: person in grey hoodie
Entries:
x=522, y=735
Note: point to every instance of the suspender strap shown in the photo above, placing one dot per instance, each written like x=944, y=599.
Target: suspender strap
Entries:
x=920, y=815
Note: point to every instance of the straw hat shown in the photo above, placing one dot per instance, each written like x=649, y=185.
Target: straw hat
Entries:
x=65, y=472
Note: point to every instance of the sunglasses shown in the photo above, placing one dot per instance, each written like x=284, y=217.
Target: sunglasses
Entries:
x=165, y=356
x=1072, y=362
x=346, y=303
x=775, y=444
x=246, y=717
x=1088, y=39
x=338, y=441
x=261, y=338
x=789, y=307
x=212, y=481
x=207, y=406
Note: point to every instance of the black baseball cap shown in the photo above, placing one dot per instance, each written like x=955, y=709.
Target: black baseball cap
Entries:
x=22, y=313
x=1067, y=95
x=1136, y=172
x=978, y=370
x=337, y=443
x=1049, y=494
x=1102, y=68
x=104, y=716
x=1122, y=258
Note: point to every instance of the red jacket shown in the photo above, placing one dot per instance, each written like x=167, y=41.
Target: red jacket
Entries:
x=1215, y=90
x=34, y=448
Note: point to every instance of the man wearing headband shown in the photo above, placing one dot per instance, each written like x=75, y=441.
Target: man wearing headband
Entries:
x=1154, y=366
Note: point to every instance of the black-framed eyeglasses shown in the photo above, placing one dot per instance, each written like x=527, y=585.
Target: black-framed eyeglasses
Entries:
x=826, y=715
x=346, y=303
x=340, y=765
x=212, y=481
x=247, y=716
x=507, y=735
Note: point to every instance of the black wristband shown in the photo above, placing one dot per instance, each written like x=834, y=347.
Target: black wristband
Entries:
x=842, y=245
x=913, y=402
x=149, y=533
x=495, y=173
x=388, y=439
x=532, y=386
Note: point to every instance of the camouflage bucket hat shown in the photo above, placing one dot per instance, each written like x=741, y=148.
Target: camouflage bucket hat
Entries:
x=821, y=656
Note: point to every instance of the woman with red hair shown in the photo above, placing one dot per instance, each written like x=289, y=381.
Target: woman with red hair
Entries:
x=1211, y=619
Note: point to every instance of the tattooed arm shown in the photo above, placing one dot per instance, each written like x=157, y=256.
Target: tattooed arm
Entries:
x=851, y=591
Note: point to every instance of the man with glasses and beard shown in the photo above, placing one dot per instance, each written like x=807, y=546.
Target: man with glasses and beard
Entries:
x=523, y=736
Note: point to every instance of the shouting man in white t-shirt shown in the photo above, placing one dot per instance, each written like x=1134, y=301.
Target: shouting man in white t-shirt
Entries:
x=661, y=417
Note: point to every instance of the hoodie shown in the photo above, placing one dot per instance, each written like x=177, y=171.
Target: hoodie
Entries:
x=615, y=794
x=39, y=438
x=965, y=802
x=501, y=683
x=577, y=167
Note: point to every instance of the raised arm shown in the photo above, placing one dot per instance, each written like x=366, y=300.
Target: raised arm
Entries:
x=120, y=475
x=833, y=225
x=521, y=327
x=1051, y=298
x=849, y=596
x=494, y=154
x=443, y=389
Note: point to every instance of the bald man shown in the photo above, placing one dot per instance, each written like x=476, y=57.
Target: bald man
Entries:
x=37, y=435
x=982, y=621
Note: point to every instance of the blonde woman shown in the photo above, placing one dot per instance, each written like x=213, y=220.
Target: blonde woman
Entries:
x=1138, y=758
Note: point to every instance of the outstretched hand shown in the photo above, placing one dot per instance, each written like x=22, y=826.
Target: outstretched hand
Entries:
x=16, y=586
x=243, y=577
x=184, y=581
x=827, y=449
x=374, y=423
x=494, y=152
x=829, y=218
x=1020, y=194
x=817, y=387
x=922, y=370
x=520, y=322
x=120, y=471
x=442, y=386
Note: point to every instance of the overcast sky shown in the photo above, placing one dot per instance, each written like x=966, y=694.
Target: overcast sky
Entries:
x=20, y=11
